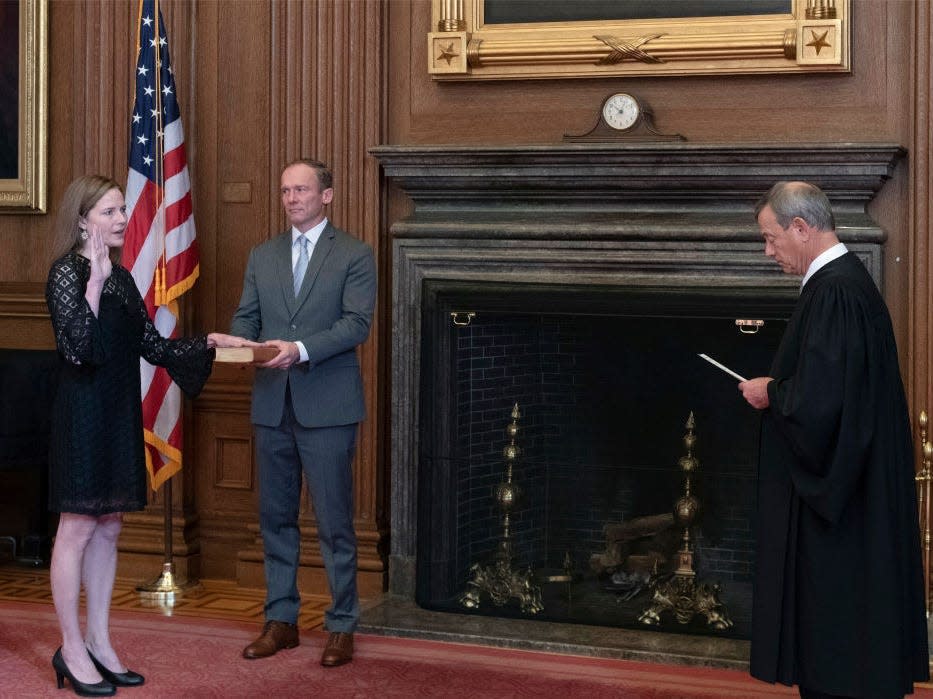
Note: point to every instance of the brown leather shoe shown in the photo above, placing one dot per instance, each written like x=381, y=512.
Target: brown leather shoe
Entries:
x=339, y=649
x=276, y=636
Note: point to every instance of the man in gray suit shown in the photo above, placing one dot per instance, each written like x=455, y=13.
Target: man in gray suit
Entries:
x=309, y=292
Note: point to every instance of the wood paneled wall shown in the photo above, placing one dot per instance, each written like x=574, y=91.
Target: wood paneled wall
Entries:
x=886, y=97
x=274, y=82
x=262, y=82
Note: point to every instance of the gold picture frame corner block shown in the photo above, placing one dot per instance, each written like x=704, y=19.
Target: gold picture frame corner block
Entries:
x=447, y=53
x=819, y=42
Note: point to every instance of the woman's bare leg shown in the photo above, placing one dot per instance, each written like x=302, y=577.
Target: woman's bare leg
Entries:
x=71, y=543
x=100, y=568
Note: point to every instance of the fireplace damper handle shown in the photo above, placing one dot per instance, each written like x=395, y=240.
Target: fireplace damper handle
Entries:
x=749, y=327
x=462, y=318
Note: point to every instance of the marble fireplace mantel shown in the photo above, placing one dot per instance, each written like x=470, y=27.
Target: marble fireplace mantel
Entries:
x=650, y=217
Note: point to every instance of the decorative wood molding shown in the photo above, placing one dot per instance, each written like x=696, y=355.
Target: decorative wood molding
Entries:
x=222, y=395
x=23, y=300
x=24, y=316
x=919, y=379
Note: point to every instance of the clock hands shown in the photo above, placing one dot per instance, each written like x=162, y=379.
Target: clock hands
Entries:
x=623, y=118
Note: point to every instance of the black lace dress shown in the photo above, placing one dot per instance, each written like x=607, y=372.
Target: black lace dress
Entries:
x=97, y=462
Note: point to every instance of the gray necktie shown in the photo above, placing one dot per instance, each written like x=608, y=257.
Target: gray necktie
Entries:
x=301, y=266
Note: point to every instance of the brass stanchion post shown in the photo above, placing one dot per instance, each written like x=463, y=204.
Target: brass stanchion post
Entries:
x=925, y=486
x=923, y=478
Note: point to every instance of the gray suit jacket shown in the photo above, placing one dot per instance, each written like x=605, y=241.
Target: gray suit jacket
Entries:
x=331, y=316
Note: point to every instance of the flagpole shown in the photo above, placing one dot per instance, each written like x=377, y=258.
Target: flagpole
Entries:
x=165, y=588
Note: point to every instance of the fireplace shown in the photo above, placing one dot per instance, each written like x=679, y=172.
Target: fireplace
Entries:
x=605, y=381
x=580, y=282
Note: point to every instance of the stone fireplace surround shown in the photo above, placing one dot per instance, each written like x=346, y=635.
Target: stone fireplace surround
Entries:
x=659, y=219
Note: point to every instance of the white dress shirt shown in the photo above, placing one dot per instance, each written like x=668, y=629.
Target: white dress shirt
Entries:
x=823, y=259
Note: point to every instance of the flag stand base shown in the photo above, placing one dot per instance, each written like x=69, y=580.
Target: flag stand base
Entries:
x=165, y=589
x=167, y=586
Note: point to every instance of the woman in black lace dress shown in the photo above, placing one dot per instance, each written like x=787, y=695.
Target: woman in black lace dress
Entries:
x=97, y=459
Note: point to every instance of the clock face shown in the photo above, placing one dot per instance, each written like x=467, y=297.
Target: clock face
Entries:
x=621, y=111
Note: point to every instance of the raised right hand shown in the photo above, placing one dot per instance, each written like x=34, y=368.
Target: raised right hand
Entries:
x=99, y=255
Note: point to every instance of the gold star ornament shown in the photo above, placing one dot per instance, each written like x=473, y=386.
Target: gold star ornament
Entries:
x=447, y=53
x=818, y=42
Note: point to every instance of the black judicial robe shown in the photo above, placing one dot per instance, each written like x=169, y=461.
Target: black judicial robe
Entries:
x=838, y=598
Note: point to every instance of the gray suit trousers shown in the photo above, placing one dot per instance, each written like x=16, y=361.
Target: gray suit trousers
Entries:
x=324, y=455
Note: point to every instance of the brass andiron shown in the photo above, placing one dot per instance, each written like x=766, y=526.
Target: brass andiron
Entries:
x=499, y=580
x=681, y=594
x=923, y=478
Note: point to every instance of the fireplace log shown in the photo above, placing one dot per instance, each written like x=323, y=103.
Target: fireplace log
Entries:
x=638, y=528
x=641, y=544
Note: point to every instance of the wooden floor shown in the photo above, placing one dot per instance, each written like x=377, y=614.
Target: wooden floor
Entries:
x=212, y=599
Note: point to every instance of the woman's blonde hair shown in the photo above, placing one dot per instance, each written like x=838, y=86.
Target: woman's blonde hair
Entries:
x=80, y=197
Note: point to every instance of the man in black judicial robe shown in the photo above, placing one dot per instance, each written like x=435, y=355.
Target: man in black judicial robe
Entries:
x=838, y=597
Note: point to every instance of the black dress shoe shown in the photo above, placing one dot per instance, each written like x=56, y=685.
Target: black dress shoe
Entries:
x=120, y=679
x=82, y=689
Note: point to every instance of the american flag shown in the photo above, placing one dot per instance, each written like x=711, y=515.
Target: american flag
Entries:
x=160, y=250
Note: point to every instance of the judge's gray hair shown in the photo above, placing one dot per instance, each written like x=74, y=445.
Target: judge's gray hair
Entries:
x=789, y=200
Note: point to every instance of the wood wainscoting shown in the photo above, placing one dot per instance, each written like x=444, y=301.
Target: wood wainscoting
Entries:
x=24, y=317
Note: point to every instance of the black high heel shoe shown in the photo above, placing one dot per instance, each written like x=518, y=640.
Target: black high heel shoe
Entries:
x=82, y=689
x=119, y=679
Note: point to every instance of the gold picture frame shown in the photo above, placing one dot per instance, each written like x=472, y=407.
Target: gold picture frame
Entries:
x=814, y=37
x=26, y=191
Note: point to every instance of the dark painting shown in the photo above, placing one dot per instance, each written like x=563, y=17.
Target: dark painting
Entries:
x=518, y=11
x=9, y=89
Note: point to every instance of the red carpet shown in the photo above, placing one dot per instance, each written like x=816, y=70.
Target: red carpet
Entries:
x=192, y=658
